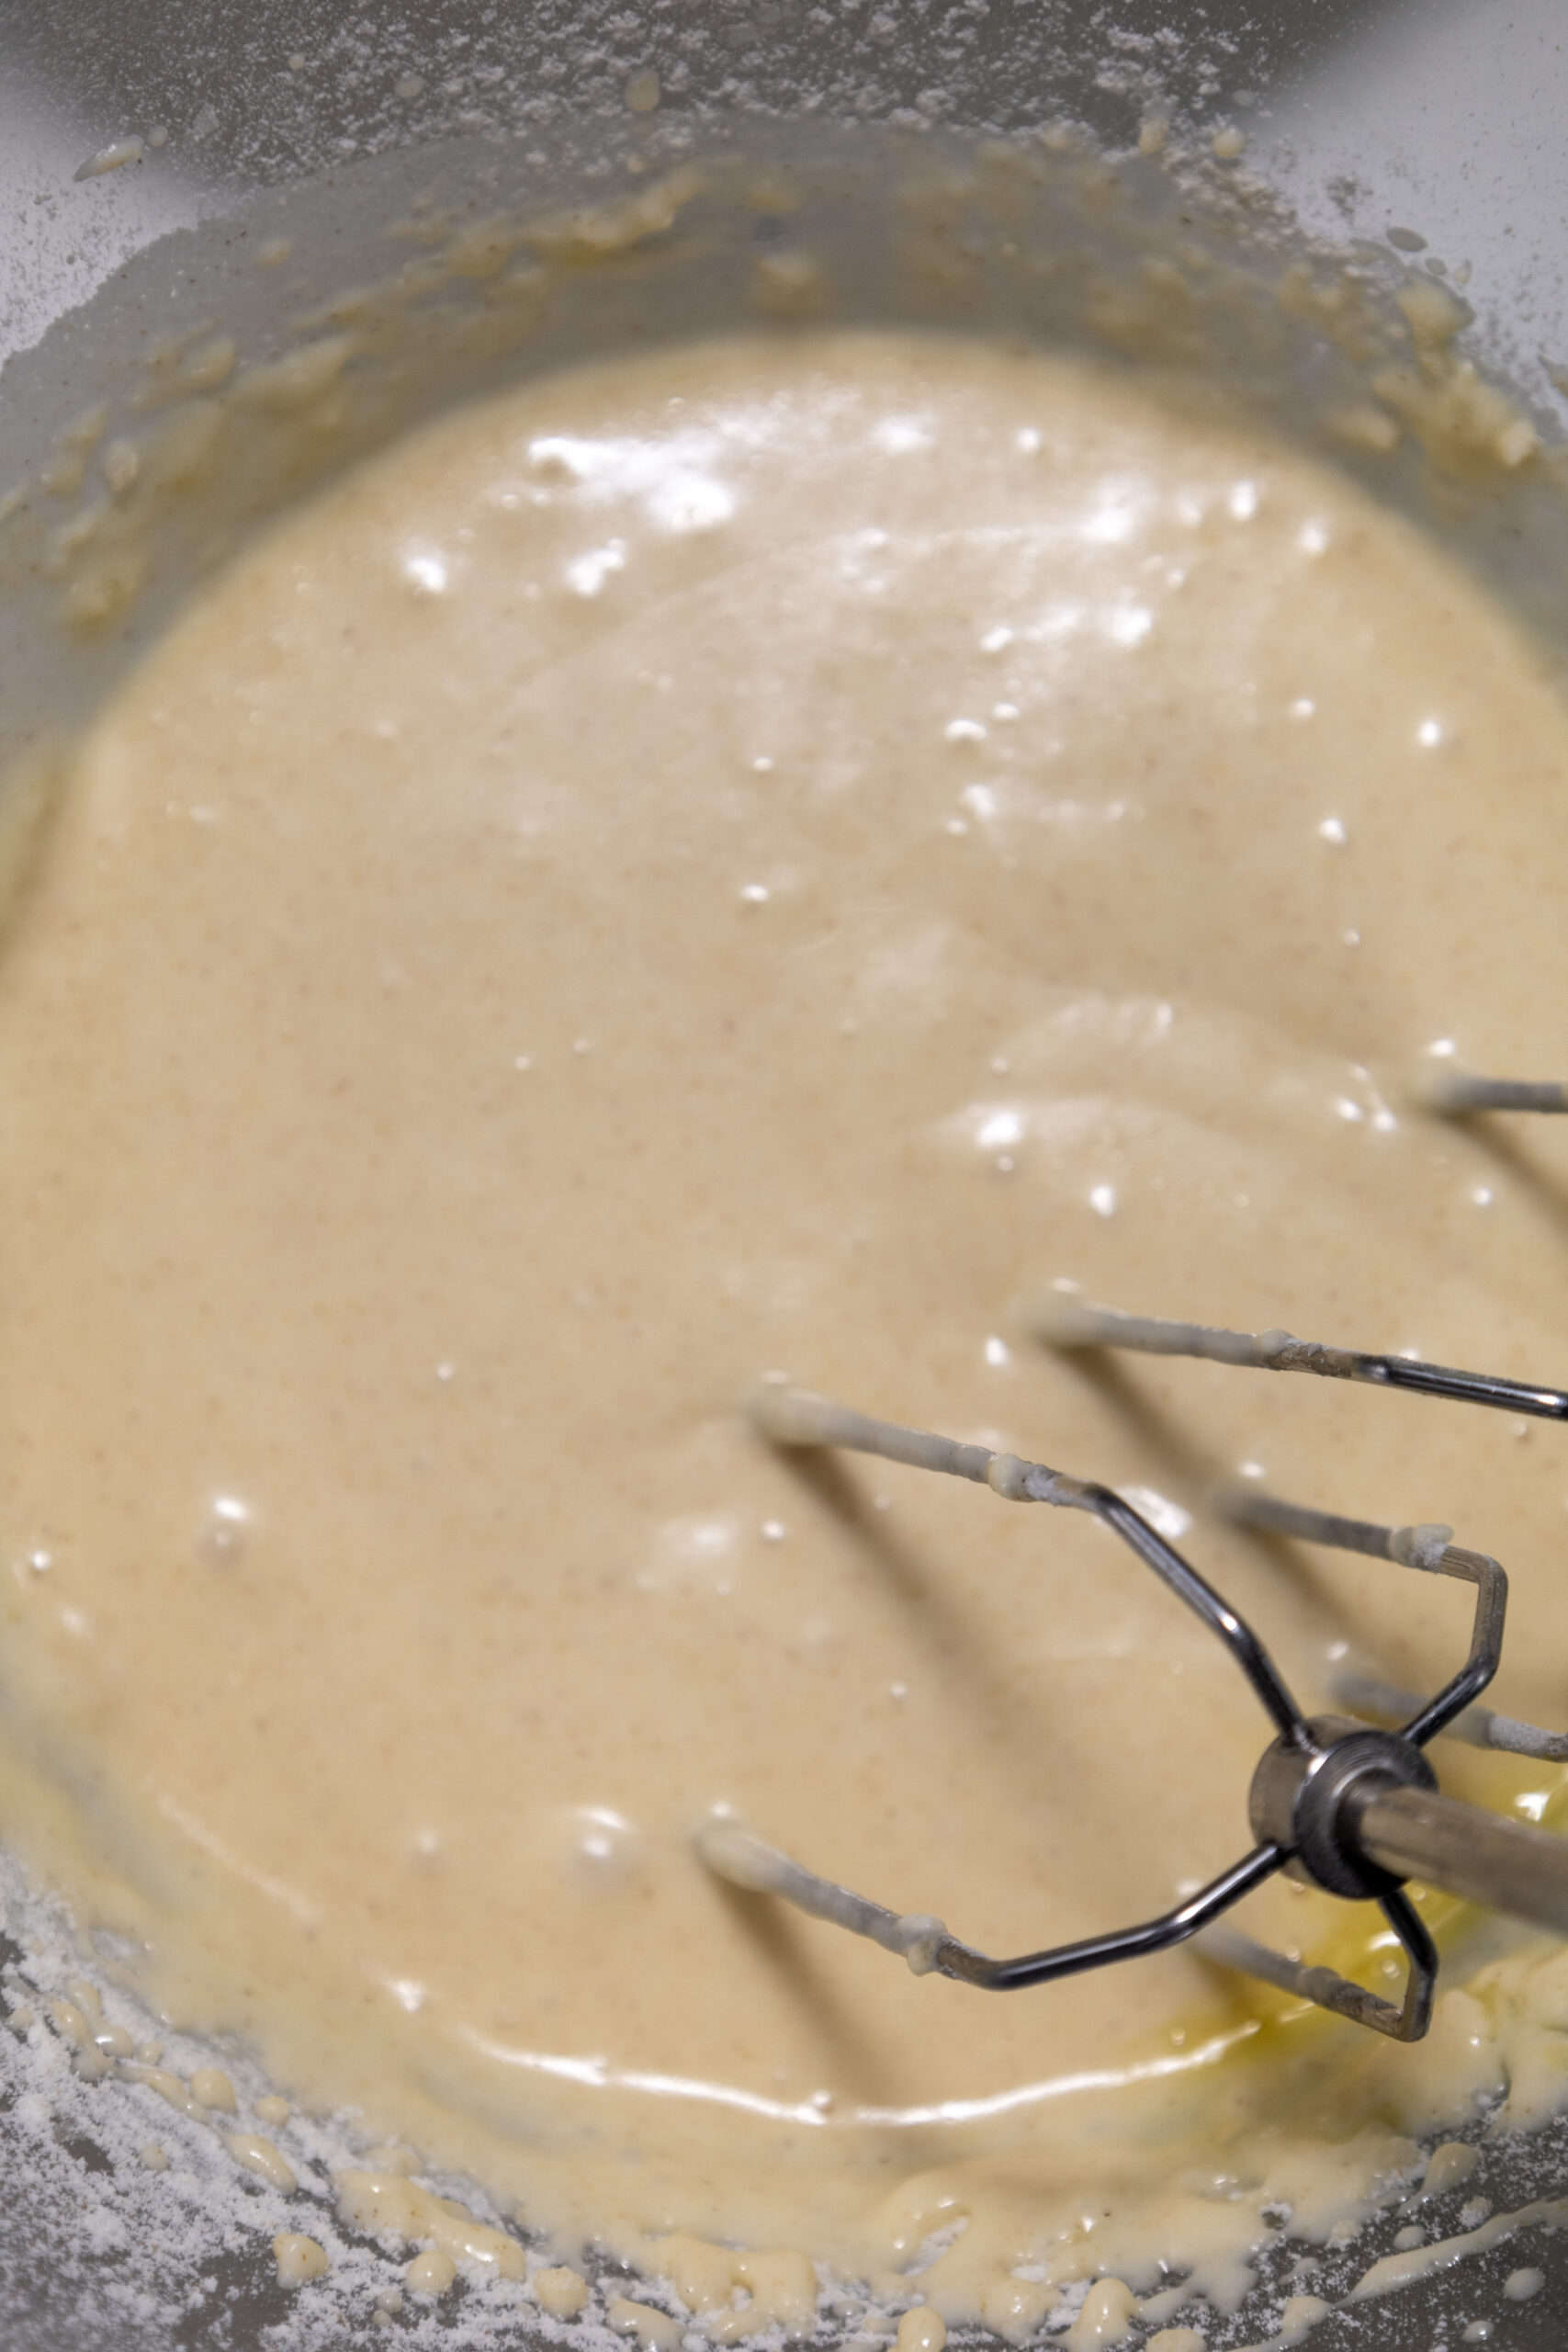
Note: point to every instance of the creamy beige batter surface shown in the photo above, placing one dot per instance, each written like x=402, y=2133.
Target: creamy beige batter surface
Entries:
x=753, y=856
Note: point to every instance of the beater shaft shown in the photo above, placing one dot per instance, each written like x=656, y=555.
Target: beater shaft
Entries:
x=1508, y=1866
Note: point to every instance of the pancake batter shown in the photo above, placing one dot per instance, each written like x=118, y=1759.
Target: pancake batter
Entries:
x=758, y=856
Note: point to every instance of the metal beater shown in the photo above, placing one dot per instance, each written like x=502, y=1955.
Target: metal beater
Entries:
x=1350, y=1806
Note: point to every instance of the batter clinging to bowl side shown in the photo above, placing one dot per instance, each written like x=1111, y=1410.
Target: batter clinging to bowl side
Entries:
x=749, y=856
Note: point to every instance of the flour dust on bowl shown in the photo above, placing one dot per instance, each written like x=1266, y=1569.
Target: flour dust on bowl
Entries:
x=647, y=746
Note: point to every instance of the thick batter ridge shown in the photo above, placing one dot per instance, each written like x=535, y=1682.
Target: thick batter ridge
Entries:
x=757, y=856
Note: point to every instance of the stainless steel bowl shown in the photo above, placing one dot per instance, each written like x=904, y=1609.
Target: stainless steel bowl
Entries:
x=1412, y=134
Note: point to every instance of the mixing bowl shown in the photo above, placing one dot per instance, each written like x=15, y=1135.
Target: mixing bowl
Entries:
x=227, y=188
